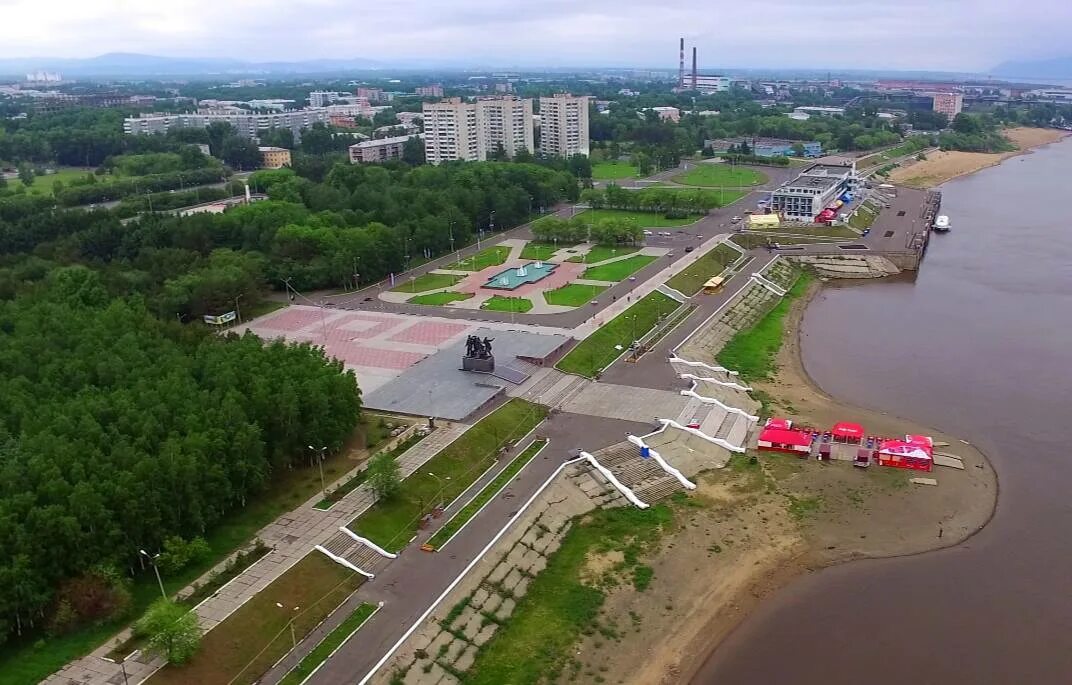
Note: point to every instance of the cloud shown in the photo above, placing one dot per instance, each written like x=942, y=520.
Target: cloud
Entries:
x=965, y=35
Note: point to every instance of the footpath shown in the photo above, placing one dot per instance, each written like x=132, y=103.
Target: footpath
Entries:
x=291, y=537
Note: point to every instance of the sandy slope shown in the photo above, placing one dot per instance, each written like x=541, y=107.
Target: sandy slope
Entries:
x=940, y=167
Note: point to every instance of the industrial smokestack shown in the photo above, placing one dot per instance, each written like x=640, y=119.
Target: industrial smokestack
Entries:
x=694, y=67
x=681, y=66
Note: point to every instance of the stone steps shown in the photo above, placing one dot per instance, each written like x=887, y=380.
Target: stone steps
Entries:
x=738, y=434
x=658, y=490
x=727, y=425
x=636, y=471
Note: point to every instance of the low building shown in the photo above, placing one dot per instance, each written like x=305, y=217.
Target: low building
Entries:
x=382, y=150
x=764, y=221
x=949, y=104
x=668, y=113
x=709, y=83
x=274, y=157
x=820, y=111
x=767, y=147
x=342, y=121
x=813, y=190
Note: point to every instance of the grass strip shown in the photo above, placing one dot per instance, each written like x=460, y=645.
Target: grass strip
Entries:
x=598, y=350
x=441, y=298
x=359, y=477
x=489, y=491
x=482, y=260
x=600, y=252
x=699, y=272
x=720, y=175
x=426, y=282
x=752, y=351
x=392, y=522
x=619, y=270
x=573, y=294
x=613, y=170
x=498, y=303
x=329, y=644
x=539, y=251
x=536, y=642
x=642, y=219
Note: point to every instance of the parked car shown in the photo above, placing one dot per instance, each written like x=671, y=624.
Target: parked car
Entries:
x=689, y=249
x=736, y=219
x=648, y=233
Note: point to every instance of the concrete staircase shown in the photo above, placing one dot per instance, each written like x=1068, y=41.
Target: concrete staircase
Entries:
x=644, y=477
x=554, y=388
x=357, y=553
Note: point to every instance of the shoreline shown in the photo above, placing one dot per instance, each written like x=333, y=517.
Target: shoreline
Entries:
x=771, y=580
x=942, y=167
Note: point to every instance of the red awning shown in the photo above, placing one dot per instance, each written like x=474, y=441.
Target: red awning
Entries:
x=844, y=429
x=785, y=437
x=779, y=424
x=920, y=441
x=903, y=449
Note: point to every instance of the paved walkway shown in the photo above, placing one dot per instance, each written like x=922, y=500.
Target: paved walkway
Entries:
x=291, y=536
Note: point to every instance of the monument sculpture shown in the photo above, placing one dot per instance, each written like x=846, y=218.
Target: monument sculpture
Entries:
x=478, y=356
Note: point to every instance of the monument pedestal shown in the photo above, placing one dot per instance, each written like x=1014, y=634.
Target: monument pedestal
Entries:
x=478, y=364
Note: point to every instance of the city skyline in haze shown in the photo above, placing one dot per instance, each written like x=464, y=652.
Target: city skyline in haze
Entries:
x=938, y=35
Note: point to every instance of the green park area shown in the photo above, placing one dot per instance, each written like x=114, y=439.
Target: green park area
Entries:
x=752, y=351
x=598, y=253
x=473, y=506
x=43, y=183
x=598, y=350
x=562, y=602
x=863, y=217
x=699, y=272
x=611, y=171
x=491, y=256
x=619, y=270
x=643, y=219
x=329, y=644
x=392, y=522
x=426, y=282
x=498, y=303
x=573, y=294
x=257, y=634
x=440, y=298
x=539, y=251
x=723, y=174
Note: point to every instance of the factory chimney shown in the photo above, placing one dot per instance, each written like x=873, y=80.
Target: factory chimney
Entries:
x=694, y=67
x=681, y=66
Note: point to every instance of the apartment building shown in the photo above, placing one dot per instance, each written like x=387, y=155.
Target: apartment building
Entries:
x=435, y=90
x=564, y=125
x=472, y=131
x=322, y=98
x=248, y=125
x=274, y=157
x=949, y=104
x=382, y=150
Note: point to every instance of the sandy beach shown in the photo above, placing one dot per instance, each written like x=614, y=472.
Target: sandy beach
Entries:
x=940, y=167
x=754, y=529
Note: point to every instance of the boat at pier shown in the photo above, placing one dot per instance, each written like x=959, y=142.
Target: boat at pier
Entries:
x=941, y=224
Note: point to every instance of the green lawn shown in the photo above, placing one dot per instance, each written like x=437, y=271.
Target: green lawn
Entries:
x=256, y=635
x=610, y=171
x=823, y=231
x=862, y=219
x=540, y=251
x=392, y=522
x=751, y=240
x=598, y=253
x=753, y=350
x=536, y=642
x=330, y=643
x=573, y=294
x=721, y=175
x=466, y=513
x=42, y=185
x=426, y=282
x=598, y=350
x=498, y=303
x=482, y=260
x=711, y=264
x=643, y=219
x=32, y=661
x=619, y=270
x=440, y=298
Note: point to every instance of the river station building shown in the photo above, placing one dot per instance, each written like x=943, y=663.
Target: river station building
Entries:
x=814, y=189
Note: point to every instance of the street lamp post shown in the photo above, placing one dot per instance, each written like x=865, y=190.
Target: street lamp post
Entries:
x=441, y=483
x=152, y=560
x=320, y=463
x=238, y=312
x=290, y=623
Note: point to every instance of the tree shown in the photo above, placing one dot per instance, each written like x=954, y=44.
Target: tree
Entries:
x=798, y=149
x=179, y=553
x=278, y=137
x=171, y=630
x=26, y=174
x=318, y=140
x=966, y=124
x=240, y=153
x=413, y=151
x=383, y=476
x=217, y=132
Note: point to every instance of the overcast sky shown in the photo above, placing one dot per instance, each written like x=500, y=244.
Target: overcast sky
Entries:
x=952, y=35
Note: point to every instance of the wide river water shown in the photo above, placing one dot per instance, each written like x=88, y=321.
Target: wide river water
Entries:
x=979, y=343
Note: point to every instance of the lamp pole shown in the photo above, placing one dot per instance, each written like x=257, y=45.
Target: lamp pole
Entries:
x=320, y=463
x=290, y=623
x=152, y=559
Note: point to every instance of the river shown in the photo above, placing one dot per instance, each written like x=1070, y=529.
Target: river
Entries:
x=979, y=343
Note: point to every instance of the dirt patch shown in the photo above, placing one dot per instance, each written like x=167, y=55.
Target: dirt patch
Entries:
x=597, y=564
x=940, y=167
x=752, y=527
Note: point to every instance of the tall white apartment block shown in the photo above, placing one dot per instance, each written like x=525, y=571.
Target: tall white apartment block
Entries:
x=564, y=125
x=472, y=131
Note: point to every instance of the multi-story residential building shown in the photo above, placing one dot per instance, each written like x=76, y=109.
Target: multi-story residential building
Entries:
x=814, y=189
x=342, y=121
x=435, y=90
x=322, y=98
x=473, y=131
x=564, y=125
x=949, y=104
x=246, y=124
x=382, y=150
x=274, y=157
x=373, y=94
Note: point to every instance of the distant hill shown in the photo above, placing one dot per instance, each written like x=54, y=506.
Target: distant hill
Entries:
x=1056, y=68
x=123, y=64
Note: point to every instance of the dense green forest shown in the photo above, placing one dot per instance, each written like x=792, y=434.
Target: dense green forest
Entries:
x=118, y=430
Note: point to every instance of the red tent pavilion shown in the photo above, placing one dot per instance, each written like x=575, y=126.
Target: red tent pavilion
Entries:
x=845, y=431
x=785, y=440
x=779, y=424
x=905, y=455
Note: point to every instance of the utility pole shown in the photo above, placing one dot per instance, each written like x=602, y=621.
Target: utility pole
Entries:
x=320, y=462
x=156, y=569
x=238, y=312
